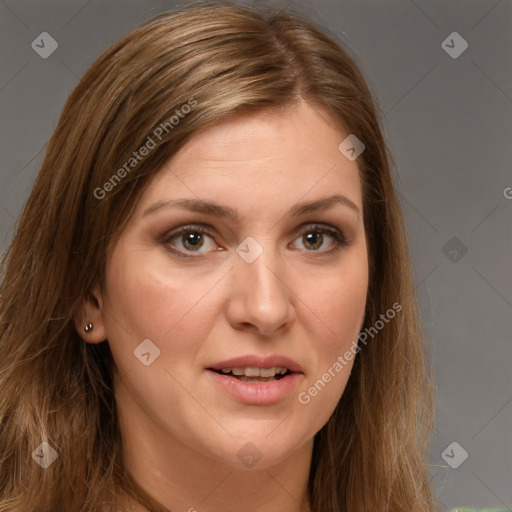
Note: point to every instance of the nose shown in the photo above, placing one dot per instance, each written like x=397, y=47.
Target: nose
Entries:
x=261, y=295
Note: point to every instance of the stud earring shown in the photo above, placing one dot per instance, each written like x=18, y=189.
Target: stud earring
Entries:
x=88, y=327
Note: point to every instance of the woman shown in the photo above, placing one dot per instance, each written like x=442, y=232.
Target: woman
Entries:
x=208, y=302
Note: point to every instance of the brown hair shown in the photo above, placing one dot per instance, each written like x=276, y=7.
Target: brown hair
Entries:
x=372, y=453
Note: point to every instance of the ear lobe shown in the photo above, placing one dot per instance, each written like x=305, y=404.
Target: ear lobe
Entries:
x=91, y=312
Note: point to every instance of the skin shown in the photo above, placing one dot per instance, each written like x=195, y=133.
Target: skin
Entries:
x=181, y=431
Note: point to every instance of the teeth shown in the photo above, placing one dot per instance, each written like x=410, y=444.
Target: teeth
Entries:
x=256, y=372
x=264, y=372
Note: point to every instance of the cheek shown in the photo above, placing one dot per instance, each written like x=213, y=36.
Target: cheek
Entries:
x=342, y=301
x=148, y=300
x=336, y=316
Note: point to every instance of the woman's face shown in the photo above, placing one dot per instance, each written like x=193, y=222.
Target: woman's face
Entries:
x=265, y=288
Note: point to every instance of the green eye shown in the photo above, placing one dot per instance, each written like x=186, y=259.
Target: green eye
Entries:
x=194, y=237
x=314, y=237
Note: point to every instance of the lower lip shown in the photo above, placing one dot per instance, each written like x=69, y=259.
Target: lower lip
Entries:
x=258, y=393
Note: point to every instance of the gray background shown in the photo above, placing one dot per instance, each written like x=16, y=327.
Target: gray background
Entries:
x=449, y=124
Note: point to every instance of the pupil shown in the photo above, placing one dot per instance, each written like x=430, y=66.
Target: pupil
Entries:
x=189, y=240
x=312, y=237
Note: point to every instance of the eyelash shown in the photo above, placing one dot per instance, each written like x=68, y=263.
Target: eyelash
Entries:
x=338, y=237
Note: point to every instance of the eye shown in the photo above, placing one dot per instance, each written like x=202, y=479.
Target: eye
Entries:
x=192, y=238
x=314, y=236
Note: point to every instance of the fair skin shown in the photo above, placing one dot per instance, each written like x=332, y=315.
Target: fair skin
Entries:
x=181, y=429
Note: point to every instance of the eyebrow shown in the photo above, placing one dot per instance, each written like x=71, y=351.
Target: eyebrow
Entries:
x=225, y=212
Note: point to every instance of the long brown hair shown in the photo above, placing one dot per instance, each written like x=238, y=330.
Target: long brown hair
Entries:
x=55, y=388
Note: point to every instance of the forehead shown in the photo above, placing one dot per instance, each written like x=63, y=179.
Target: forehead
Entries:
x=266, y=157
x=293, y=133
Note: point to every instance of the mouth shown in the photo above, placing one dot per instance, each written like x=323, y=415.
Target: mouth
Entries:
x=255, y=375
x=256, y=380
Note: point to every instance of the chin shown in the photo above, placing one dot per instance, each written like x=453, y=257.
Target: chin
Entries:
x=246, y=452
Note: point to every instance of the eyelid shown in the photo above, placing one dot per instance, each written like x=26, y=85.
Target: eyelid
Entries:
x=321, y=226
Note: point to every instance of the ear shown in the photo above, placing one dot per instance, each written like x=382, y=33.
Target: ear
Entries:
x=91, y=312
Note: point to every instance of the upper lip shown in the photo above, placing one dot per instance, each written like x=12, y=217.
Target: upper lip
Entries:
x=254, y=361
